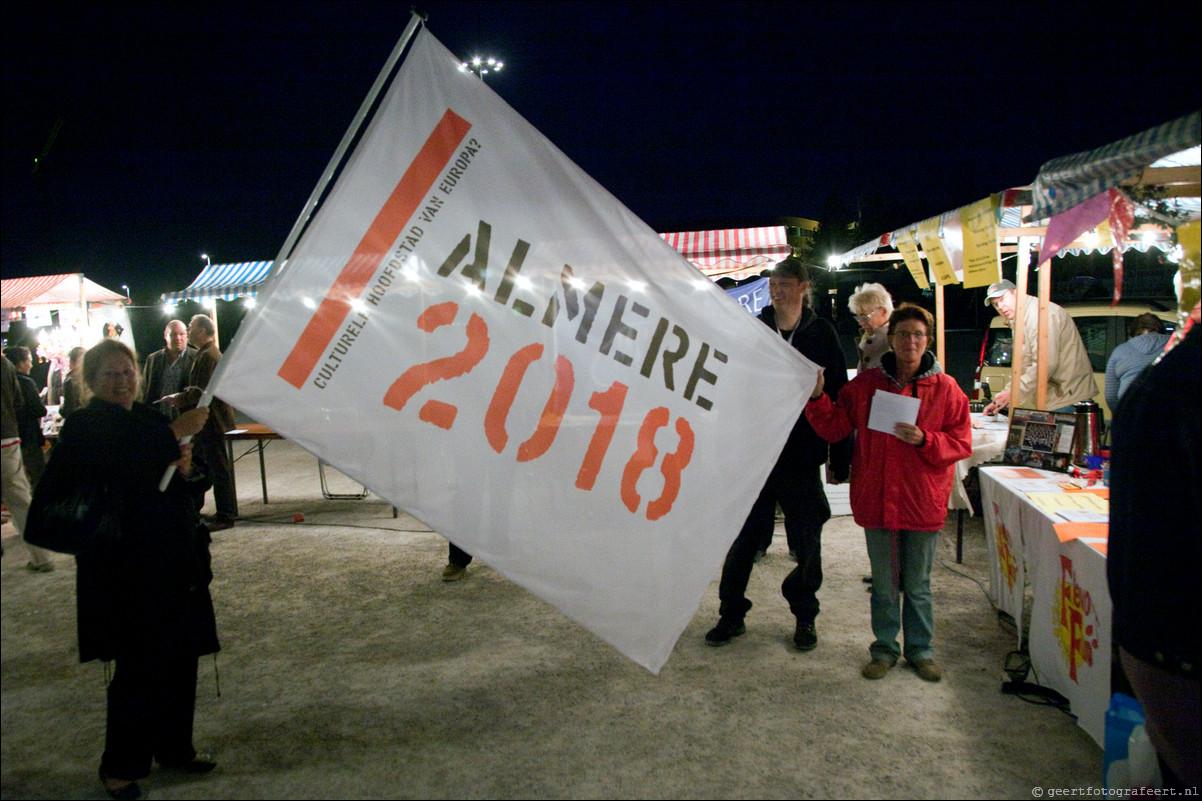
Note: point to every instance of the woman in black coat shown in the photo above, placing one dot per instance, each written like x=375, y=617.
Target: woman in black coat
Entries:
x=144, y=602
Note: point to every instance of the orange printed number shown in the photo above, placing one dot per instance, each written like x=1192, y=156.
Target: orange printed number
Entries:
x=673, y=465
x=609, y=403
x=507, y=390
x=421, y=375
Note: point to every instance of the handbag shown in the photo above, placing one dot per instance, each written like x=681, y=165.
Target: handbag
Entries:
x=81, y=520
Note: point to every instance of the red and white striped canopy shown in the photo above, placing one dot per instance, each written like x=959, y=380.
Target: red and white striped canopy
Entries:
x=53, y=290
x=732, y=252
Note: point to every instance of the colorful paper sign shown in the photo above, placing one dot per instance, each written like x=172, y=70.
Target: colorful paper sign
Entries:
x=908, y=248
x=941, y=265
x=982, y=257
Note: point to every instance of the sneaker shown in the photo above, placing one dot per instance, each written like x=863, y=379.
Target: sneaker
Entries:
x=876, y=669
x=44, y=567
x=453, y=572
x=805, y=637
x=727, y=629
x=928, y=670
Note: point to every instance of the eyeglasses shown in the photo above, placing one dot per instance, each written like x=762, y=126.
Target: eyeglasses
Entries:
x=863, y=318
x=915, y=335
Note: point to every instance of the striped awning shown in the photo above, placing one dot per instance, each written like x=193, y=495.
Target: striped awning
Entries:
x=53, y=290
x=733, y=252
x=1071, y=180
x=224, y=282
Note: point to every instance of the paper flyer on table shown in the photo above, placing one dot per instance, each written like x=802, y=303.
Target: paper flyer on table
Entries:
x=1084, y=516
x=889, y=408
x=1057, y=502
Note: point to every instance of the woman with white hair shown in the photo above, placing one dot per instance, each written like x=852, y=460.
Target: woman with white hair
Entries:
x=871, y=305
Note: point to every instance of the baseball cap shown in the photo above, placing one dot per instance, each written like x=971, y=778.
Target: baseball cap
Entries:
x=999, y=289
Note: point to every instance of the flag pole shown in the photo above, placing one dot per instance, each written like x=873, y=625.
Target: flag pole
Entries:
x=416, y=18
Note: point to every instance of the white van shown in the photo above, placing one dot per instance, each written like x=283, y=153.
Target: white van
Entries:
x=1102, y=327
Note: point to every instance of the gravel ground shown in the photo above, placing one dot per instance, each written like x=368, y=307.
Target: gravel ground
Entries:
x=350, y=670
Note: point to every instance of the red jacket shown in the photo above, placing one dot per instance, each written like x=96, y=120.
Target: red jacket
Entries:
x=895, y=485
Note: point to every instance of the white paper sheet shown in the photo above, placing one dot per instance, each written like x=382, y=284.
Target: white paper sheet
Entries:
x=889, y=408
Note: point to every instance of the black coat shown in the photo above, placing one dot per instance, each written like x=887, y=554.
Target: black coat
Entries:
x=1154, y=548
x=29, y=416
x=815, y=339
x=149, y=595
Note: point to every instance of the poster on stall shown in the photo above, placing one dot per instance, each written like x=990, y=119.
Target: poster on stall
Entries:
x=907, y=247
x=982, y=257
x=937, y=257
x=1040, y=439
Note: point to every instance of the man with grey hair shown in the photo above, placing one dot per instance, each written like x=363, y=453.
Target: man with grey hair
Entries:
x=209, y=444
x=1070, y=375
x=167, y=370
x=872, y=305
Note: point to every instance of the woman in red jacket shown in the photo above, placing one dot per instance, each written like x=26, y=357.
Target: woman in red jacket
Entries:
x=900, y=483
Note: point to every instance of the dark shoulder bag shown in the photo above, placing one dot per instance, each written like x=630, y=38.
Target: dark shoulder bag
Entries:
x=80, y=518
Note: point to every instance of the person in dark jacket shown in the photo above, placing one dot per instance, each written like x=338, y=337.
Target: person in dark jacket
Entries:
x=72, y=385
x=795, y=482
x=145, y=601
x=210, y=443
x=29, y=416
x=14, y=485
x=1155, y=553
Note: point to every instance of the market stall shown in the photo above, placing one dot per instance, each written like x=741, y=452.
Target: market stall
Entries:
x=1042, y=530
x=1129, y=194
x=222, y=282
x=61, y=312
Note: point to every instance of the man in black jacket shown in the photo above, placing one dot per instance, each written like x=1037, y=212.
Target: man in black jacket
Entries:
x=796, y=481
x=29, y=416
x=1155, y=553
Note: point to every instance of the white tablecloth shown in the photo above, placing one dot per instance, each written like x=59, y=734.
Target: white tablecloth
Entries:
x=988, y=442
x=1070, y=599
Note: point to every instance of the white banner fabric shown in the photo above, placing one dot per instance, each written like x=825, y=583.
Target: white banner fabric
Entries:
x=1004, y=543
x=479, y=333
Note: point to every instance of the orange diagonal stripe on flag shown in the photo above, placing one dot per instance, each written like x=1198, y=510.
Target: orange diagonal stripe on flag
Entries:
x=437, y=151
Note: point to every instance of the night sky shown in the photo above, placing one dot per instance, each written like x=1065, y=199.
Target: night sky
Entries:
x=165, y=131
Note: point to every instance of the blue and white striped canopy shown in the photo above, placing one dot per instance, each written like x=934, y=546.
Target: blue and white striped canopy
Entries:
x=224, y=282
x=1070, y=180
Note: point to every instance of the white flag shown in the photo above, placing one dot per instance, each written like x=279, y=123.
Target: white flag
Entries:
x=478, y=332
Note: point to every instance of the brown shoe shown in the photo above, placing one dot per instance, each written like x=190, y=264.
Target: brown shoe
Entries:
x=453, y=572
x=928, y=670
x=876, y=669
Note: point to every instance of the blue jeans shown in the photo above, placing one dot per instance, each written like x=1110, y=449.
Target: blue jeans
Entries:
x=890, y=613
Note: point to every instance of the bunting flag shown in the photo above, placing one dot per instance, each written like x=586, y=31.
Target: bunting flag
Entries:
x=1121, y=217
x=479, y=333
x=1067, y=226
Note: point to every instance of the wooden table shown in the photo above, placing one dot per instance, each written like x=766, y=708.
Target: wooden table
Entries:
x=260, y=434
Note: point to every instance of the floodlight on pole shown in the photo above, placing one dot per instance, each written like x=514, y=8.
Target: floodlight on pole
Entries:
x=482, y=65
